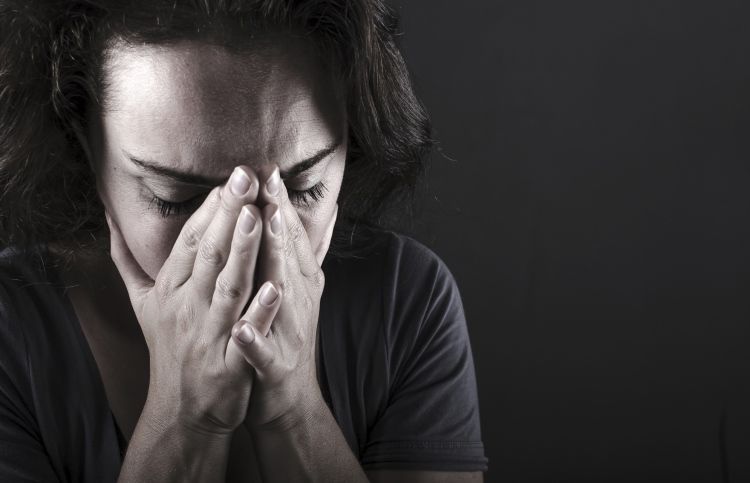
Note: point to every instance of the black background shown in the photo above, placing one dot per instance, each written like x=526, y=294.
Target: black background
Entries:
x=591, y=199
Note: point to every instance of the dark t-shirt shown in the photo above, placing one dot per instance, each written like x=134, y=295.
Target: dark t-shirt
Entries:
x=396, y=368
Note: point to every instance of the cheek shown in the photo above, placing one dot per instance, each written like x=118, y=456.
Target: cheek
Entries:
x=153, y=245
x=148, y=236
x=313, y=226
x=149, y=240
x=316, y=219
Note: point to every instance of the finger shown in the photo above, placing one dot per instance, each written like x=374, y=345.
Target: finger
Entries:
x=234, y=283
x=178, y=266
x=296, y=235
x=298, y=254
x=271, y=261
x=214, y=247
x=325, y=243
x=258, y=351
x=137, y=282
x=264, y=308
x=260, y=315
x=274, y=193
x=278, y=263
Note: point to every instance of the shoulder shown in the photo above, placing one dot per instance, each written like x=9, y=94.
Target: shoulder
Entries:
x=403, y=271
x=24, y=291
x=411, y=256
x=21, y=274
x=34, y=324
x=21, y=303
x=396, y=257
x=42, y=348
x=26, y=284
x=425, y=329
x=401, y=286
x=43, y=355
x=421, y=288
x=416, y=268
x=428, y=415
x=23, y=449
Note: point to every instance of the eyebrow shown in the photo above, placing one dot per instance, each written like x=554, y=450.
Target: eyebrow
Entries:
x=208, y=181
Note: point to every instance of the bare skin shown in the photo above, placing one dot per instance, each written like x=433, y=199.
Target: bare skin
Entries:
x=166, y=317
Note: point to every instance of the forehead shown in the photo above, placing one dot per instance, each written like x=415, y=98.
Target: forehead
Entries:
x=196, y=105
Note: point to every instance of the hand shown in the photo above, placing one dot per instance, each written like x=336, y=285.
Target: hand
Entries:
x=282, y=350
x=198, y=377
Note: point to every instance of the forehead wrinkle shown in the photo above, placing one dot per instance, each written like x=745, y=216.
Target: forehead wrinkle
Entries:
x=285, y=129
x=273, y=110
x=263, y=113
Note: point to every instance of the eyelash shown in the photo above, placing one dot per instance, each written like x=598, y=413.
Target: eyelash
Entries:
x=309, y=196
x=171, y=208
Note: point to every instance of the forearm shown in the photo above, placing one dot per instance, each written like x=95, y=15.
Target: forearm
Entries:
x=312, y=448
x=164, y=450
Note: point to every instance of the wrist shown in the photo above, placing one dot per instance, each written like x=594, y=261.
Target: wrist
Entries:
x=162, y=416
x=164, y=448
x=303, y=407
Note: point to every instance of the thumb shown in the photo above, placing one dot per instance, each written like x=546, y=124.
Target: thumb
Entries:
x=136, y=280
x=256, y=350
x=325, y=243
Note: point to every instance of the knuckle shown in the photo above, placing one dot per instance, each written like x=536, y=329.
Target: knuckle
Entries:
x=298, y=338
x=185, y=315
x=284, y=286
x=296, y=230
x=227, y=290
x=318, y=279
x=164, y=287
x=191, y=237
x=210, y=252
x=307, y=300
x=289, y=250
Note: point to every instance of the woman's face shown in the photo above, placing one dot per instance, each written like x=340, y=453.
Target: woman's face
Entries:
x=177, y=120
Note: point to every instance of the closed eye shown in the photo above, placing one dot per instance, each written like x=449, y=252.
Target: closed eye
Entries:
x=167, y=208
x=176, y=208
x=309, y=196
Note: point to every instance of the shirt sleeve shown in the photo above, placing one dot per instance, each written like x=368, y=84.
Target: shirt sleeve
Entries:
x=22, y=454
x=431, y=420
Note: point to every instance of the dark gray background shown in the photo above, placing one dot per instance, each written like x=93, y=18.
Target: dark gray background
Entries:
x=592, y=201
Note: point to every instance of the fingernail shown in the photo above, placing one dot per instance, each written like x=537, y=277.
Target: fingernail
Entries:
x=247, y=221
x=276, y=222
x=268, y=294
x=272, y=185
x=239, y=183
x=246, y=334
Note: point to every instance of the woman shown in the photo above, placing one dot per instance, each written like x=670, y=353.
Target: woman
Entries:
x=249, y=322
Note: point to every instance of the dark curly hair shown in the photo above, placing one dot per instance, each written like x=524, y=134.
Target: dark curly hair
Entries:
x=51, y=57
